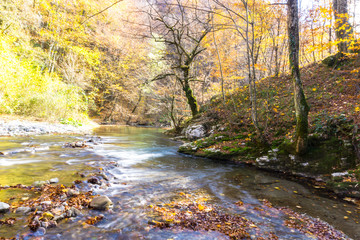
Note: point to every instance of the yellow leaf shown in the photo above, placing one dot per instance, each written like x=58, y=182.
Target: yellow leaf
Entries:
x=346, y=217
x=277, y=188
x=314, y=89
x=357, y=109
x=295, y=192
x=47, y=215
x=275, y=110
x=201, y=207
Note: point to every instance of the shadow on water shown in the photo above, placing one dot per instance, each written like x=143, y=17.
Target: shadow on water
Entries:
x=150, y=171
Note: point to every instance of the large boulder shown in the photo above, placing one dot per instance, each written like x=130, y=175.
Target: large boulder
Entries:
x=194, y=132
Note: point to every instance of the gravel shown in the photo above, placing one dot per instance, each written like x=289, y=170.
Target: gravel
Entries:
x=26, y=128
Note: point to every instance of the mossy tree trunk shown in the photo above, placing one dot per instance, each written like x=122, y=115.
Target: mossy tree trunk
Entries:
x=301, y=107
x=188, y=91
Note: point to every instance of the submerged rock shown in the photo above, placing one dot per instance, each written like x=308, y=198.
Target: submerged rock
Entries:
x=75, y=145
x=101, y=203
x=4, y=207
x=94, y=180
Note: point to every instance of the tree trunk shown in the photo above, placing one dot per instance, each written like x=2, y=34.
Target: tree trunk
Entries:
x=188, y=92
x=251, y=70
x=301, y=107
x=343, y=29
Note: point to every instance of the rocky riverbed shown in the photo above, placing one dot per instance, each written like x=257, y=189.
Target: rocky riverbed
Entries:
x=130, y=183
x=26, y=128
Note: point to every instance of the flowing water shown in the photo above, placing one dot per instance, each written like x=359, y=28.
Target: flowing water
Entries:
x=150, y=171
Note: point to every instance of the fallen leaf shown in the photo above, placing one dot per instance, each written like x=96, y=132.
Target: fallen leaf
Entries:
x=201, y=207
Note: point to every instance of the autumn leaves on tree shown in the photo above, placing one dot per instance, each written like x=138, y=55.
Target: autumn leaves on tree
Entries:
x=164, y=61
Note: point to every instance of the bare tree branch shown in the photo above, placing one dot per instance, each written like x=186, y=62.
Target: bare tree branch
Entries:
x=101, y=11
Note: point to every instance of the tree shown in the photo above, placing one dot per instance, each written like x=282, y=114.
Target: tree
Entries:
x=343, y=29
x=182, y=28
x=301, y=107
x=247, y=17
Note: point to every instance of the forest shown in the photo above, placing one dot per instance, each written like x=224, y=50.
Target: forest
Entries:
x=272, y=84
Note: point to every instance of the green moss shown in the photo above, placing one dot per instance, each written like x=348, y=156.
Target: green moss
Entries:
x=226, y=148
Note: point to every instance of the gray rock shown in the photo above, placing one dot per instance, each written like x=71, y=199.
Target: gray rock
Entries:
x=79, y=144
x=94, y=180
x=73, y=212
x=77, y=212
x=59, y=217
x=73, y=192
x=194, y=132
x=39, y=183
x=4, y=207
x=23, y=210
x=54, y=180
x=188, y=148
x=103, y=176
x=101, y=203
x=41, y=231
x=38, y=208
x=44, y=224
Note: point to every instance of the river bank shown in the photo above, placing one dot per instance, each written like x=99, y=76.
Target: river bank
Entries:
x=330, y=166
x=20, y=126
x=224, y=130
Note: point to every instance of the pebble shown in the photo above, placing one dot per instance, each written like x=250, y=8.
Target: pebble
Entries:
x=4, y=207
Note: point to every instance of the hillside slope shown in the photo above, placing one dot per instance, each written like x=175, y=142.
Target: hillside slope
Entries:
x=333, y=94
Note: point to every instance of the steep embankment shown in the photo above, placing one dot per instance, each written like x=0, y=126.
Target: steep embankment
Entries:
x=333, y=94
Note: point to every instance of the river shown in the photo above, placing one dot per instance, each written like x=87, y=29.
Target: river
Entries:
x=150, y=171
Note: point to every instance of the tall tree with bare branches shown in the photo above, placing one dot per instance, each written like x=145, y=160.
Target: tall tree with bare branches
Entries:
x=182, y=26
